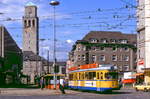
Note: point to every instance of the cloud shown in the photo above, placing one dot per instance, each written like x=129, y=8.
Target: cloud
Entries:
x=70, y=41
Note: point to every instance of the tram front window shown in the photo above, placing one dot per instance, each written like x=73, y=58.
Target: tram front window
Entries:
x=111, y=75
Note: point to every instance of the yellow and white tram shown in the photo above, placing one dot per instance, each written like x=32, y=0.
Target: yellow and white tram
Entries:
x=103, y=78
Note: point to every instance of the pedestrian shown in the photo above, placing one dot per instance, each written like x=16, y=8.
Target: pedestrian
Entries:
x=41, y=83
x=61, y=85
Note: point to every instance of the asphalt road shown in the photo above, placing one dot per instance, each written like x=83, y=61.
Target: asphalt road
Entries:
x=121, y=94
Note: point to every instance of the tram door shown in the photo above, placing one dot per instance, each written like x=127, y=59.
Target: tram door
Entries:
x=99, y=76
x=75, y=78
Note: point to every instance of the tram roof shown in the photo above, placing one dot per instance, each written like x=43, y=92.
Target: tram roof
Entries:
x=53, y=75
x=109, y=67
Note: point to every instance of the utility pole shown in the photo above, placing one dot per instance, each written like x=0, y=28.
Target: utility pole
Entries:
x=47, y=61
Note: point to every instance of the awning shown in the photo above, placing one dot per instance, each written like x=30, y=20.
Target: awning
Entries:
x=138, y=74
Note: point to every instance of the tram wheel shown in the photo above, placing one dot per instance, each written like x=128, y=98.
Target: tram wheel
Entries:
x=145, y=90
x=136, y=89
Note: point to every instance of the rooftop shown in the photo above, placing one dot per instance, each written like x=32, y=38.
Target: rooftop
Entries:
x=30, y=4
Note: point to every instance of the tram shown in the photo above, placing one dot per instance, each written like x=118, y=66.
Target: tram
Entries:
x=49, y=80
x=103, y=78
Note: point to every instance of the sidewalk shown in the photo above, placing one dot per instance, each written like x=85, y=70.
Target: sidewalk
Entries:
x=28, y=92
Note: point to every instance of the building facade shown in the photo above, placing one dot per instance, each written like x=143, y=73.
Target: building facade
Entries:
x=104, y=47
x=143, y=29
x=10, y=58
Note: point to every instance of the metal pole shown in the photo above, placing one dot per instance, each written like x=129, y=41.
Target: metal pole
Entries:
x=47, y=61
x=54, y=3
x=54, y=51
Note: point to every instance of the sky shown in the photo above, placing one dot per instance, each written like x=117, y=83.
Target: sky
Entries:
x=74, y=19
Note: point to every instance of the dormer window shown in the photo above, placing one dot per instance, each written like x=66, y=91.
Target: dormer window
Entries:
x=104, y=40
x=113, y=41
x=123, y=41
x=93, y=40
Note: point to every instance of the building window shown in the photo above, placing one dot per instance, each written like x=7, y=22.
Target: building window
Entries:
x=25, y=23
x=126, y=58
x=93, y=58
x=94, y=48
x=33, y=23
x=79, y=48
x=102, y=58
x=114, y=49
x=104, y=40
x=126, y=68
x=29, y=23
x=114, y=58
x=79, y=58
x=84, y=48
x=93, y=40
x=120, y=68
x=126, y=49
x=123, y=41
x=83, y=57
x=102, y=48
x=113, y=41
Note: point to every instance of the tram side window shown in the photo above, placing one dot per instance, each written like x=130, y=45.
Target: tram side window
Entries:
x=75, y=76
x=111, y=75
x=70, y=76
x=82, y=76
x=86, y=75
x=79, y=76
x=101, y=75
x=58, y=77
x=98, y=75
x=92, y=75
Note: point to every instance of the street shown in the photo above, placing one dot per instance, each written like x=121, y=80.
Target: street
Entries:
x=126, y=93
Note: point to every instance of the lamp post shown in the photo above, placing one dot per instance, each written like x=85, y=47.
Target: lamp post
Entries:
x=54, y=3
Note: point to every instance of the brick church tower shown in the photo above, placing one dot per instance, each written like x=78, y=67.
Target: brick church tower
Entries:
x=30, y=29
x=32, y=65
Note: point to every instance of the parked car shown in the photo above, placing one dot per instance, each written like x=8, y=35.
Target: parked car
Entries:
x=142, y=87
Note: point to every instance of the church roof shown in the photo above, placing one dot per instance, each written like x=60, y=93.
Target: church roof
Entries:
x=29, y=55
x=30, y=4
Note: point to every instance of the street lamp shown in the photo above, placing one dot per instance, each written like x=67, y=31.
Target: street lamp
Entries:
x=54, y=3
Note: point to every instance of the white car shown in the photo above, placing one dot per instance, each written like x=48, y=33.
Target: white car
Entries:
x=142, y=87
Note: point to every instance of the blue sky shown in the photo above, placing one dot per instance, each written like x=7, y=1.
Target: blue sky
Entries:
x=75, y=18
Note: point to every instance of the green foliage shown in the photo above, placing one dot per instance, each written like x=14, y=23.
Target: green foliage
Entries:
x=89, y=45
x=11, y=59
x=56, y=69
